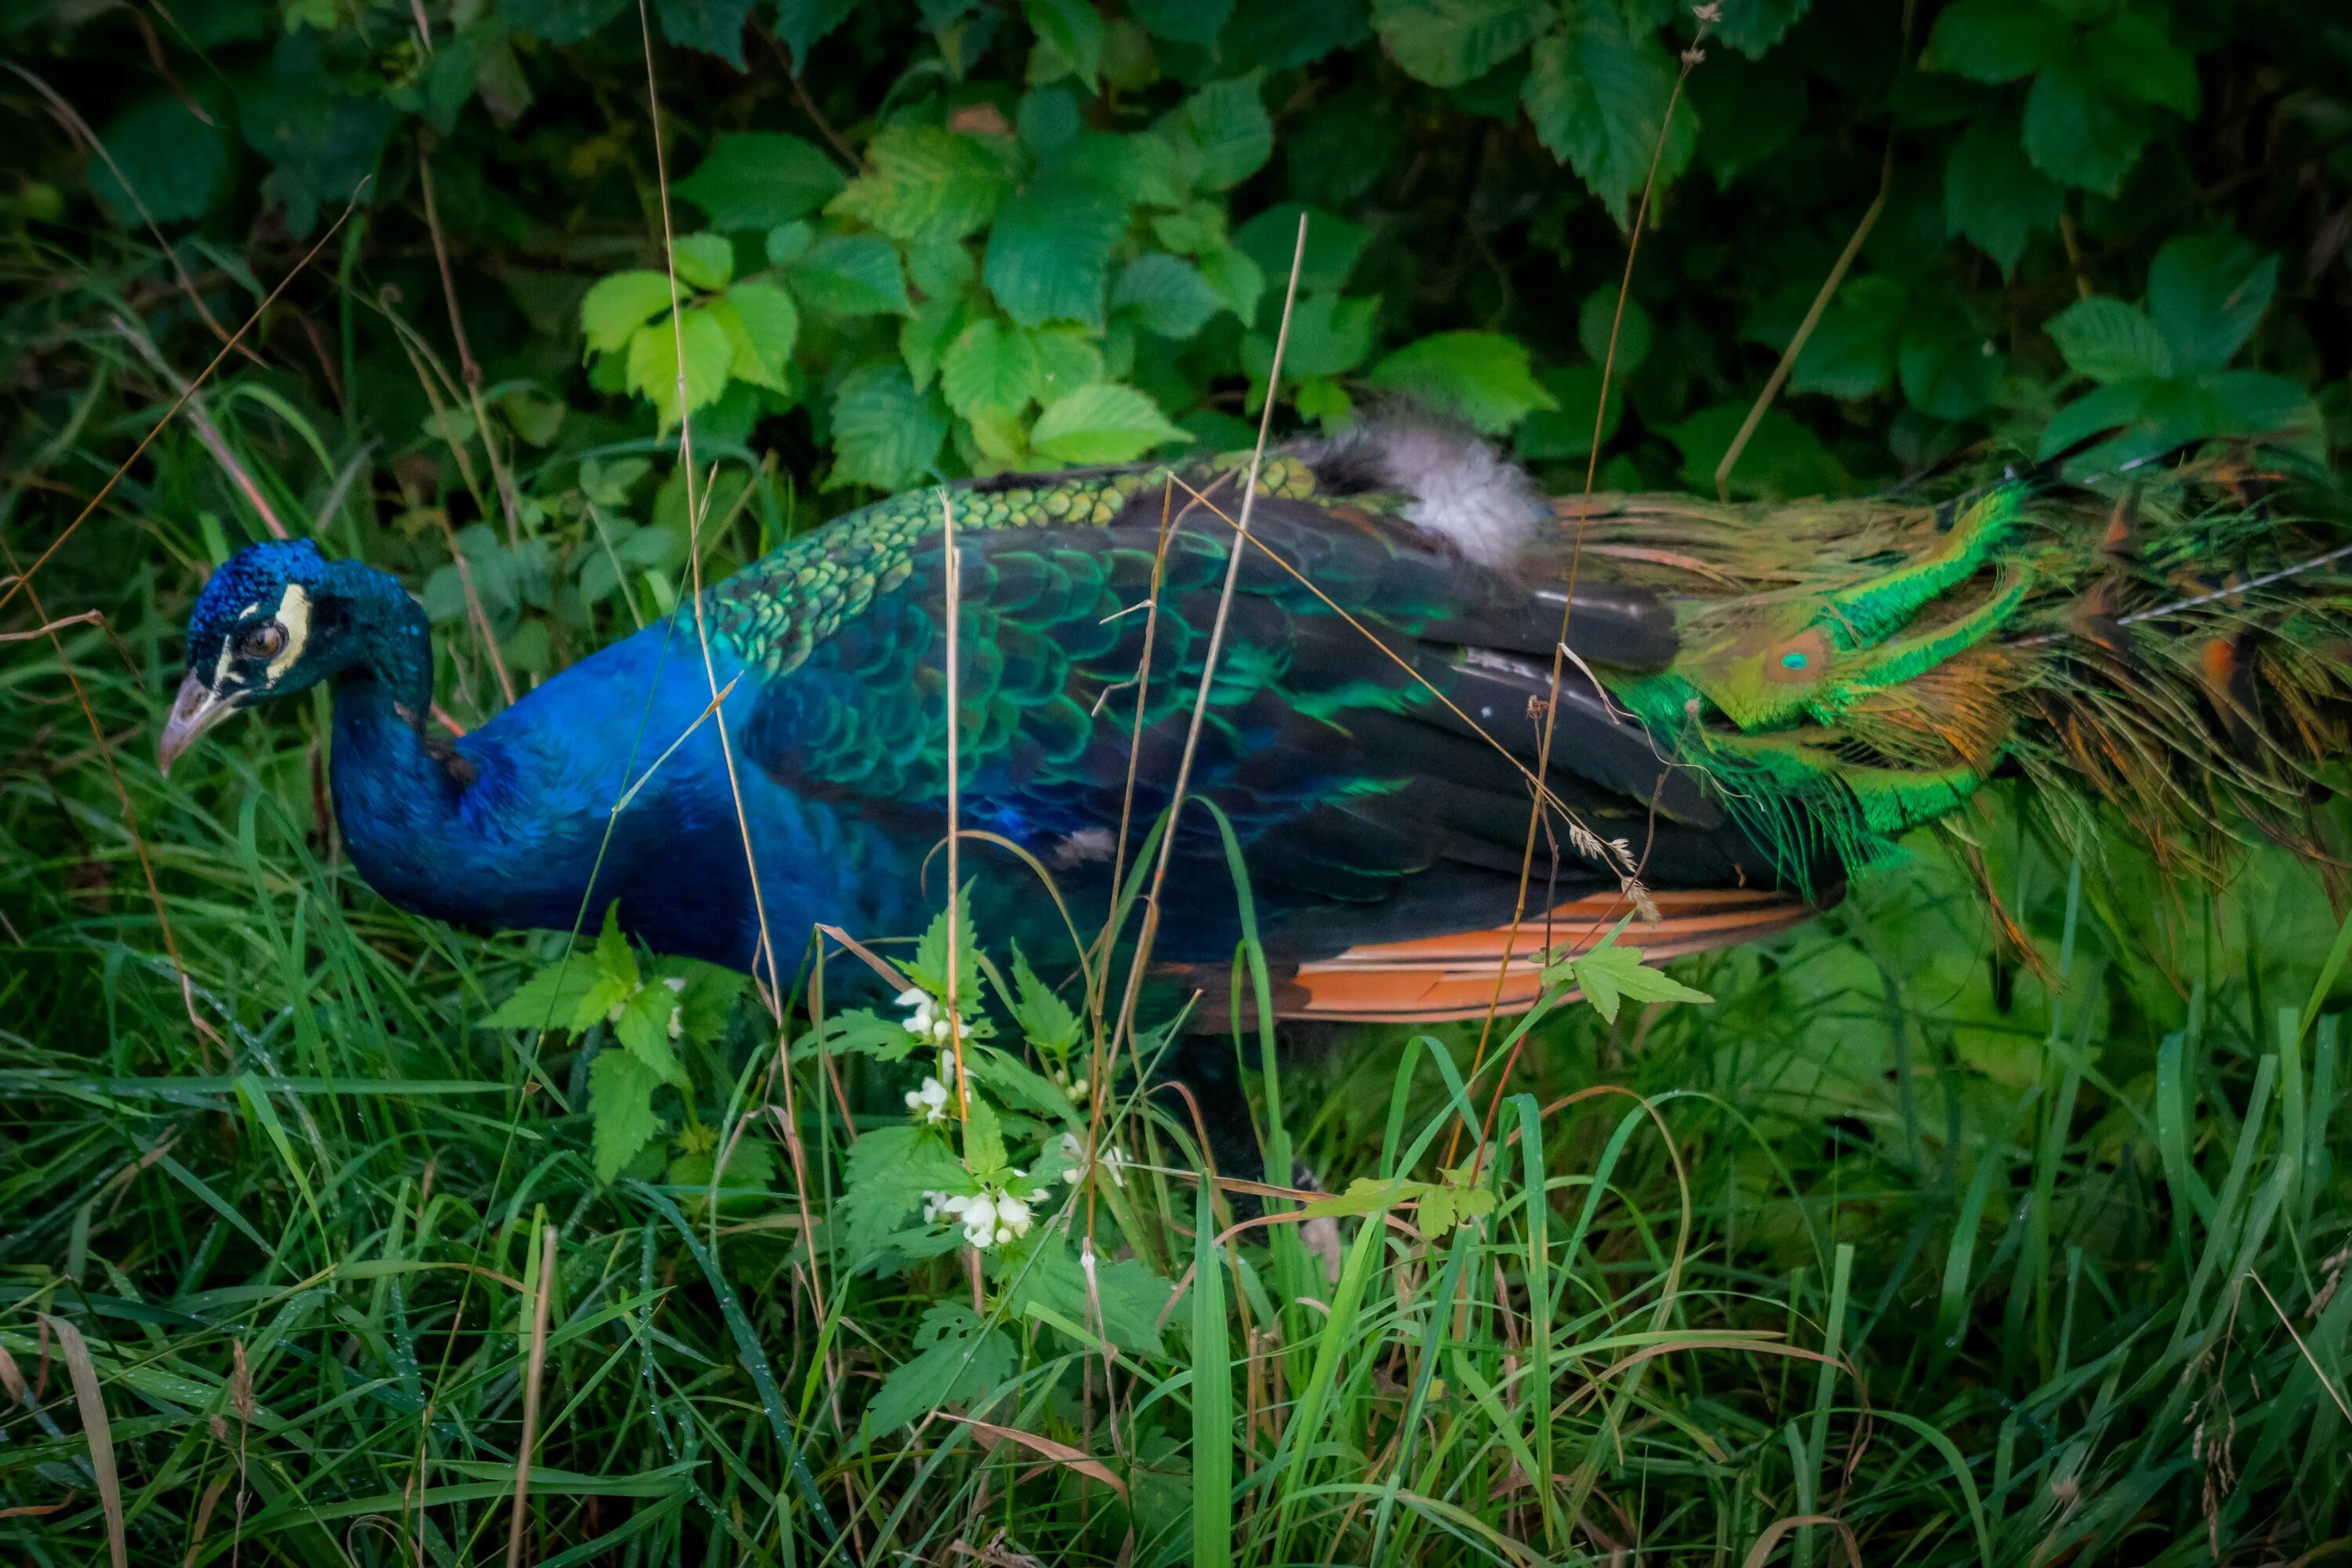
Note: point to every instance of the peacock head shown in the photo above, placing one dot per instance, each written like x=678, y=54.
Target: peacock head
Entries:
x=277, y=619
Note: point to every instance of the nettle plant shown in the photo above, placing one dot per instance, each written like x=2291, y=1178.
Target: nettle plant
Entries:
x=996, y=293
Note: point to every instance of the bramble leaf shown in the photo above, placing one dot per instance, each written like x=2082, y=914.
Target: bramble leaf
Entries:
x=1104, y=423
x=1598, y=97
x=884, y=433
x=757, y=180
x=1448, y=42
x=889, y=1169
x=850, y=274
x=958, y=1361
x=1483, y=376
x=2109, y=342
x=926, y=184
x=989, y=369
x=617, y=306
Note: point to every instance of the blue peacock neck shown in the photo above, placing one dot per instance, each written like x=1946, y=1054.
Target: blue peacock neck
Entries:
x=399, y=800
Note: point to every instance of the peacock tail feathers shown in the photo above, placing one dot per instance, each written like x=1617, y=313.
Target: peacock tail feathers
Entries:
x=2173, y=643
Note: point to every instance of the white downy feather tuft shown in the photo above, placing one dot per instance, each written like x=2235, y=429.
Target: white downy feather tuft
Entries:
x=1461, y=489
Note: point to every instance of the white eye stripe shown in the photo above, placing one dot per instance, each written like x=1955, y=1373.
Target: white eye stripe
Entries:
x=294, y=619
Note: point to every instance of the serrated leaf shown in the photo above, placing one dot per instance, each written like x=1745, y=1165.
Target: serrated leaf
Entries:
x=559, y=21
x=884, y=433
x=2079, y=131
x=714, y=27
x=1851, y=352
x=1166, y=296
x=1131, y=1296
x=620, y=1110
x=1366, y=1195
x=1104, y=423
x=1020, y=1085
x=175, y=163
x=990, y=369
x=1482, y=376
x=1567, y=431
x=708, y=999
x=1598, y=99
x=1330, y=335
x=927, y=185
x=1049, y=255
x=1044, y=1020
x=946, y=267
x=549, y=999
x=958, y=1361
x=1075, y=30
x=851, y=275
x=1753, y=27
x=2253, y=403
x=924, y=336
x=859, y=1031
x=1948, y=369
x=928, y=967
x=803, y=23
x=1782, y=458
x=2102, y=408
x=762, y=323
x=1997, y=40
x=1448, y=42
x=703, y=261
x=1598, y=319
x=1237, y=280
x=1227, y=131
x=654, y=358
x=2109, y=342
x=1610, y=974
x=888, y=1171
x=1994, y=196
x=2136, y=58
x=757, y=180
x=2206, y=296
x=643, y=1030
x=1334, y=246
x=615, y=307
x=984, y=1139
x=1067, y=359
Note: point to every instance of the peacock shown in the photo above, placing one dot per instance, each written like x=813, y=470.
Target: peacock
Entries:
x=1729, y=710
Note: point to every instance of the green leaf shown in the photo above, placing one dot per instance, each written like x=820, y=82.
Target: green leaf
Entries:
x=1997, y=40
x=2118, y=405
x=1994, y=196
x=944, y=267
x=1330, y=335
x=2251, y=403
x=1045, y=1021
x=959, y=1360
x=1597, y=318
x=643, y=1030
x=1132, y=1297
x=708, y=999
x=756, y=180
x=1049, y=256
x=989, y=369
x=1075, y=30
x=888, y=1171
x=654, y=363
x=175, y=163
x=1166, y=295
x=1194, y=22
x=1610, y=974
x=704, y=261
x=1566, y=430
x=2207, y=295
x=924, y=336
x=1237, y=280
x=560, y=21
x=928, y=967
x=788, y=242
x=1851, y=351
x=1448, y=42
x=1598, y=99
x=884, y=433
x=1103, y=423
x=1366, y=1195
x=1948, y=369
x=762, y=323
x=851, y=275
x=547, y=1000
x=1483, y=376
x=1067, y=358
x=1019, y=1085
x=803, y=23
x=2080, y=132
x=1752, y=26
x=2109, y=342
x=1228, y=130
x=612, y=310
x=927, y=185
x=615, y=960
x=620, y=1110
x=984, y=1139
x=1334, y=246
x=1782, y=458
x=714, y=27
x=2134, y=56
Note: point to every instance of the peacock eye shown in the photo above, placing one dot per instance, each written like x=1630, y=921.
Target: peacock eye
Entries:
x=265, y=641
x=1792, y=661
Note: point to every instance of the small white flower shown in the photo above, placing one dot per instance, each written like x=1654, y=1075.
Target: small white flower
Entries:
x=1074, y=1161
x=930, y=1100
x=913, y=997
x=1012, y=1217
x=1076, y=1090
x=677, y=983
x=941, y=1028
x=978, y=1216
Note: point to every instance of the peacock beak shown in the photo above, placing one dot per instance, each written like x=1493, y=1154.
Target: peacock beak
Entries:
x=196, y=710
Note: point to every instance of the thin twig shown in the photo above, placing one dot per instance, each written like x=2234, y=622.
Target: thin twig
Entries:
x=534, y=1373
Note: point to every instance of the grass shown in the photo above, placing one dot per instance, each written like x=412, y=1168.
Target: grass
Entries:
x=1902, y=1250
